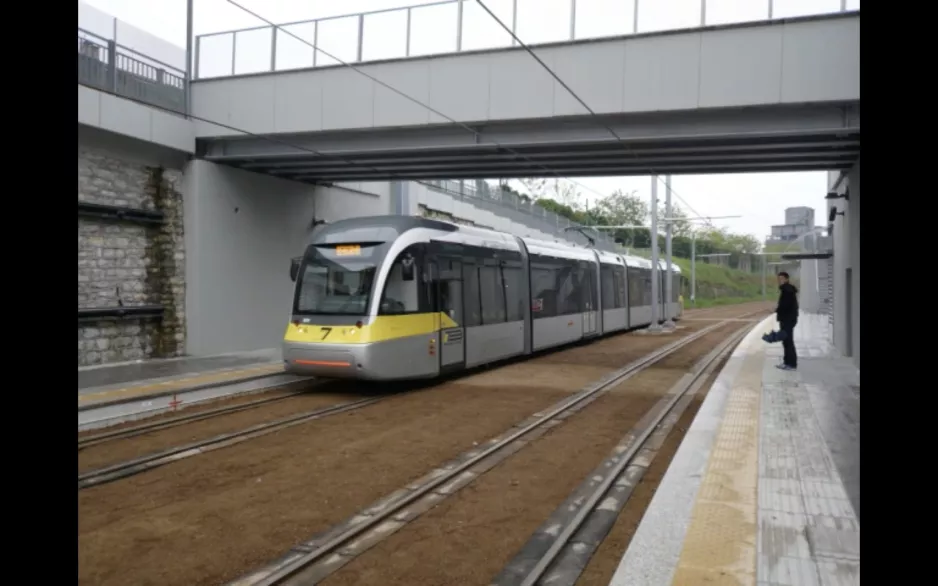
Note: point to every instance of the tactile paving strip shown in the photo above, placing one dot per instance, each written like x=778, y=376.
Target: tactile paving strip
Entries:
x=720, y=544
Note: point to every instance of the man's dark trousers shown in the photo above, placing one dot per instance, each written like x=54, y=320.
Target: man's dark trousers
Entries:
x=788, y=344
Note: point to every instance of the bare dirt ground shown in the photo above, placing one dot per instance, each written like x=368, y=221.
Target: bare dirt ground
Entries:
x=605, y=561
x=468, y=538
x=212, y=518
x=119, y=450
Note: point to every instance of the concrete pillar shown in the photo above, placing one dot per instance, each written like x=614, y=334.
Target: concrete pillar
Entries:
x=853, y=184
x=846, y=245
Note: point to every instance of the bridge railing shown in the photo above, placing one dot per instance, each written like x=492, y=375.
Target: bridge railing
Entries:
x=108, y=66
x=453, y=26
x=523, y=210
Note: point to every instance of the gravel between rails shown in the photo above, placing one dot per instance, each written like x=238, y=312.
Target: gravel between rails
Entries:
x=605, y=561
x=218, y=517
x=468, y=538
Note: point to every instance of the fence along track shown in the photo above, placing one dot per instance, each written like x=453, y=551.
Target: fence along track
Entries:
x=321, y=556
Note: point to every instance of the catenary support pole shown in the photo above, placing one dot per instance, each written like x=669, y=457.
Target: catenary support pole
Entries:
x=668, y=279
x=188, y=88
x=764, y=264
x=693, y=268
x=654, y=256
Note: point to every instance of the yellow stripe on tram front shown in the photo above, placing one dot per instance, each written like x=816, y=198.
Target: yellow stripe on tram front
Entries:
x=384, y=327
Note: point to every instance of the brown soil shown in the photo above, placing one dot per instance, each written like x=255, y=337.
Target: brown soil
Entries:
x=468, y=538
x=217, y=517
x=605, y=561
x=119, y=450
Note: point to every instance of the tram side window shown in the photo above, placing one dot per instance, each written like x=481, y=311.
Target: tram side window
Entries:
x=543, y=295
x=609, y=291
x=514, y=296
x=619, y=274
x=584, y=288
x=637, y=287
x=675, y=287
x=493, y=295
x=568, y=288
x=471, y=295
x=401, y=295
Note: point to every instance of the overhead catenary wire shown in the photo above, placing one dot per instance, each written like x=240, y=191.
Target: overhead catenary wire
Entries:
x=591, y=112
x=475, y=132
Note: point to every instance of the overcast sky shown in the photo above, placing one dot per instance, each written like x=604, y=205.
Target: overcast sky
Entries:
x=760, y=198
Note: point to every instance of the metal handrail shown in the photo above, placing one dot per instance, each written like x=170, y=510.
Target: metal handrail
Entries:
x=126, y=49
x=459, y=17
x=325, y=18
x=550, y=221
x=102, y=65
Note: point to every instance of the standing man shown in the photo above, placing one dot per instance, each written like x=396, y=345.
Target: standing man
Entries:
x=787, y=314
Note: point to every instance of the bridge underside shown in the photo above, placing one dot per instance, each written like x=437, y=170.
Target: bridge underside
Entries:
x=763, y=139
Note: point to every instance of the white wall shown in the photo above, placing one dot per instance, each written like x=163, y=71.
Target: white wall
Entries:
x=241, y=230
x=99, y=110
x=350, y=200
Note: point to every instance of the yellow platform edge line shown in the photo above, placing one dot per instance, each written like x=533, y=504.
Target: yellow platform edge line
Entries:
x=720, y=544
x=182, y=383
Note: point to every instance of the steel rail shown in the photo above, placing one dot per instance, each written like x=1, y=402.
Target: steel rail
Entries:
x=281, y=571
x=561, y=541
x=153, y=426
x=151, y=461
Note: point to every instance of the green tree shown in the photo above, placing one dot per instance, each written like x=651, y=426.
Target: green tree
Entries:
x=560, y=191
x=681, y=227
x=622, y=209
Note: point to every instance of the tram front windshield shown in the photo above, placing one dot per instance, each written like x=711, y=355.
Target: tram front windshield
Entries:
x=334, y=288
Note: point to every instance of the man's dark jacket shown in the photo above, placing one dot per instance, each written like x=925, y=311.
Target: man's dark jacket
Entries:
x=787, y=310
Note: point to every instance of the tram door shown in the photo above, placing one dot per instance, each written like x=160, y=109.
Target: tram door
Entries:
x=449, y=312
x=589, y=305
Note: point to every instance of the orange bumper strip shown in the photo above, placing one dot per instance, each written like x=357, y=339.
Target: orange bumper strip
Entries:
x=321, y=363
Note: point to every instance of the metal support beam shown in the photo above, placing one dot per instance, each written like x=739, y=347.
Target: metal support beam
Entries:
x=189, y=41
x=655, y=327
x=693, y=268
x=122, y=312
x=459, y=25
x=668, y=284
x=764, y=267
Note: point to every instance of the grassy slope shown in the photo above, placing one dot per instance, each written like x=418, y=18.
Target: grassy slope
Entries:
x=721, y=285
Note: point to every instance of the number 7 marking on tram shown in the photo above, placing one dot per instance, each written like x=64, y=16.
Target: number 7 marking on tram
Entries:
x=325, y=333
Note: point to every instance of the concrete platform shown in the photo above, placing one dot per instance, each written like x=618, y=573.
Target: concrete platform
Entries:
x=107, y=384
x=764, y=489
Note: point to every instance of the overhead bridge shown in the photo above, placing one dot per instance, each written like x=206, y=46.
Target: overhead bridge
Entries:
x=779, y=95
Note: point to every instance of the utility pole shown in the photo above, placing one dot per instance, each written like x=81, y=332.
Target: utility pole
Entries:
x=693, y=268
x=189, y=56
x=764, y=266
x=654, y=327
x=669, y=282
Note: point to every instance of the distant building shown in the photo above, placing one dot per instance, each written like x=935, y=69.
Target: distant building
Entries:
x=798, y=221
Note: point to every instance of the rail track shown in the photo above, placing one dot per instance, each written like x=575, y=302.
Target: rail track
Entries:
x=325, y=553
x=167, y=423
x=119, y=410
x=560, y=549
x=151, y=461
x=147, y=462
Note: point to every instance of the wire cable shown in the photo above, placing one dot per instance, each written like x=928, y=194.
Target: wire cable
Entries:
x=412, y=99
x=578, y=99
